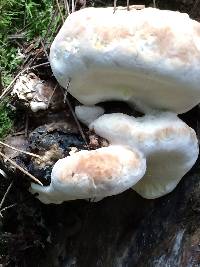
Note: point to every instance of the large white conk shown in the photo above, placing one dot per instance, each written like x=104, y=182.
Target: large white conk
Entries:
x=149, y=57
x=92, y=174
x=169, y=145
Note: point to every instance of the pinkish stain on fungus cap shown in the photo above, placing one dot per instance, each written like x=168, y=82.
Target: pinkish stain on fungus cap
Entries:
x=92, y=174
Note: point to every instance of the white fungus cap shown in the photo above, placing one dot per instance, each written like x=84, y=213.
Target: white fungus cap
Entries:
x=87, y=114
x=169, y=145
x=148, y=57
x=92, y=174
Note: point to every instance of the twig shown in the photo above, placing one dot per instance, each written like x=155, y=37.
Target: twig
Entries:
x=21, y=151
x=50, y=98
x=19, y=133
x=21, y=46
x=60, y=11
x=20, y=168
x=5, y=195
x=66, y=100
x=154, y=3
x=115, y=6
x=66, y=90
x=25, y=12
x=84, y=4
x=16, y=36
x=20, y=202
x=66, y=4
x=128, y=5
x=76, y=120
x=3, y=173
x=37, y=66
x=8, y=207
x=44, y=48
x=73, y=6
x=10, y=85
x=30, y=62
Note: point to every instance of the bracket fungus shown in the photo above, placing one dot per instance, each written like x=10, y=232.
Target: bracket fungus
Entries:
x=169, y=145
x=148, y=58
x=87, y=114
x=144, y=57
x=92, y=174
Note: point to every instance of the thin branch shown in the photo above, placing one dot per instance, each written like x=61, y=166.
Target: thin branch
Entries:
x=37, y=66
x=128, y=5
x=84, y=4
x=11, y=84
x=73, y=6
x=21, y=151
x=19, y=133
x=44, y=48
x=20, y=168
x=66, y=90
x=51, y=96
x=3, y=173
x=66, y=100
x=76, y=120
x=115, y=6
x=66, y=4
x=57, y=3
x=16, y=204
x=5, y=195
x=154, y=3
x=8, y=207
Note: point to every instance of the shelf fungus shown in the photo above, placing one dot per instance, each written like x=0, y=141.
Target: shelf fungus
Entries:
x=169, y=145
x=92, y=174
x=149, y=58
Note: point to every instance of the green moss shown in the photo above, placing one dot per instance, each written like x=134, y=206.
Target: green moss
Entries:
x=27, y=17
x=22, y=21
x=6, y=121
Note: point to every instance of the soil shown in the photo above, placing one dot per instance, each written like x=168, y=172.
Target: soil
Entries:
x=123, y=230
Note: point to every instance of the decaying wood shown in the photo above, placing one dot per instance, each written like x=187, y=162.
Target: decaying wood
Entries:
x=21, y=151
x=20, y=168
